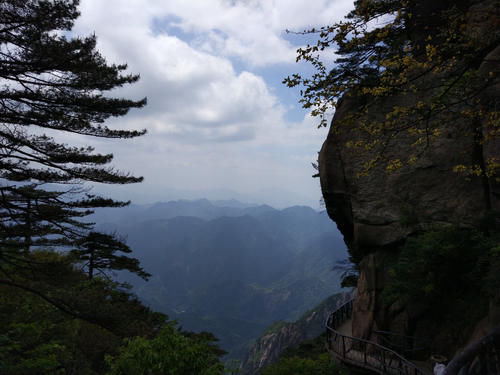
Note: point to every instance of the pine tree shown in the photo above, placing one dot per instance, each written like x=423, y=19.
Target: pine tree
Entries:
x=97, y=252
x=53, y=84
x=36, y=219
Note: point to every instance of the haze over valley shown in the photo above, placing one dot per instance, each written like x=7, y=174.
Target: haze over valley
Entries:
x=228, y=267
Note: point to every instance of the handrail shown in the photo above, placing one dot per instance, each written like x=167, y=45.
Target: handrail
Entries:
x=483, y=354
x=364, y=353
x=403, y=344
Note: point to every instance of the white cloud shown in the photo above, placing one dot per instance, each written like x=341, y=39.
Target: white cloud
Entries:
x=209, y=125
x=252, y=30
x=187, y=89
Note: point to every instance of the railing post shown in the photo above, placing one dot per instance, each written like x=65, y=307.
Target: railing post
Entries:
x=343, y=346
x=379, y=352
x=383, y=360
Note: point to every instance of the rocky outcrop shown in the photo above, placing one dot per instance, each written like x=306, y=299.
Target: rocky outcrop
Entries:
x=377, y=212
x=380, y=209
x=268, y=348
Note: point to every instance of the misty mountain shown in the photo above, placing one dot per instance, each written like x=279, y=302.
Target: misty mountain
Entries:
x=201, y=208
x=227, y=267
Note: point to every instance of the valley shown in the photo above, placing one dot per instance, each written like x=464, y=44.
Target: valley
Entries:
x=229, y=268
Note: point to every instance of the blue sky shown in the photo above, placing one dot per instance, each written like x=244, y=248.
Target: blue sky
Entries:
x=220, y=123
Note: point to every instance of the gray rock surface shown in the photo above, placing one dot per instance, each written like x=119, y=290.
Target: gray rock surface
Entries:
x=268, y=348
x=377, y=212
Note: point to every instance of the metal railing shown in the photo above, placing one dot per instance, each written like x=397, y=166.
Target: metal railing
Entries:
x=363, y=353
x=482, y=357
x=402, y=344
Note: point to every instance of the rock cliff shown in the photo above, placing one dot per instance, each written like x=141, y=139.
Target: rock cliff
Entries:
x=376, y=213
x=268, y=348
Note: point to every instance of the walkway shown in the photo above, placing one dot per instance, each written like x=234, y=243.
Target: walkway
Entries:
x=481, y=357
x=363, y=353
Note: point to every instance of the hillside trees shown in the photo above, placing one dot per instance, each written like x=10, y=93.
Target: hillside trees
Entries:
x=97, y=251
x=63, y=323
x=56, y=315
x=52, y=85
x=441, y=57
x=308, y=358
x=170, y=352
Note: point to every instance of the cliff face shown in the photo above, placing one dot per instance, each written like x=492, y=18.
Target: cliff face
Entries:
x=269, y=346
x=377, y=212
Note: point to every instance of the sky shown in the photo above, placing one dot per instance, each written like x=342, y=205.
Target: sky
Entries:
x=220, y=124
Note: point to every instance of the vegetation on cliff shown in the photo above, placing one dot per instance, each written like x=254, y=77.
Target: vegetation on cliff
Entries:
x=410, y=168
x=308, y=358
x=441, y=56
x=295, y=345
x=446, y=277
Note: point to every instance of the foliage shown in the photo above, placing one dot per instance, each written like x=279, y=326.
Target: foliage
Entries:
x=53, y=85
x=309, y=358
x=433, y=56
x=33, y=218
x=448, y=274
x=307, y=349
x=443, y=263
x=62, y=322
x=55, y=318
x=323, y=365
x=97, y=252
x=169, y=352
x=66, y=323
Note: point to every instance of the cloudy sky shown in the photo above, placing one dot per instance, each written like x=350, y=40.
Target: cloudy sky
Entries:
x=220, y=123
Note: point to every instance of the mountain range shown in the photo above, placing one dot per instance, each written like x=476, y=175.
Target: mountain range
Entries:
x=228, y=267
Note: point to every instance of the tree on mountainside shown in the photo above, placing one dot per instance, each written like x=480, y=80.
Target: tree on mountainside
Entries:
x=440, y=58
x=54, y=317
x=32, y=218
x=170, y=352
x=97, y=253
x=51, y=82
x=52, y=85
x=62, y=323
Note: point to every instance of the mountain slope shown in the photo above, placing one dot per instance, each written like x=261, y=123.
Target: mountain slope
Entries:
x=232, y=275
x=281, y=335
